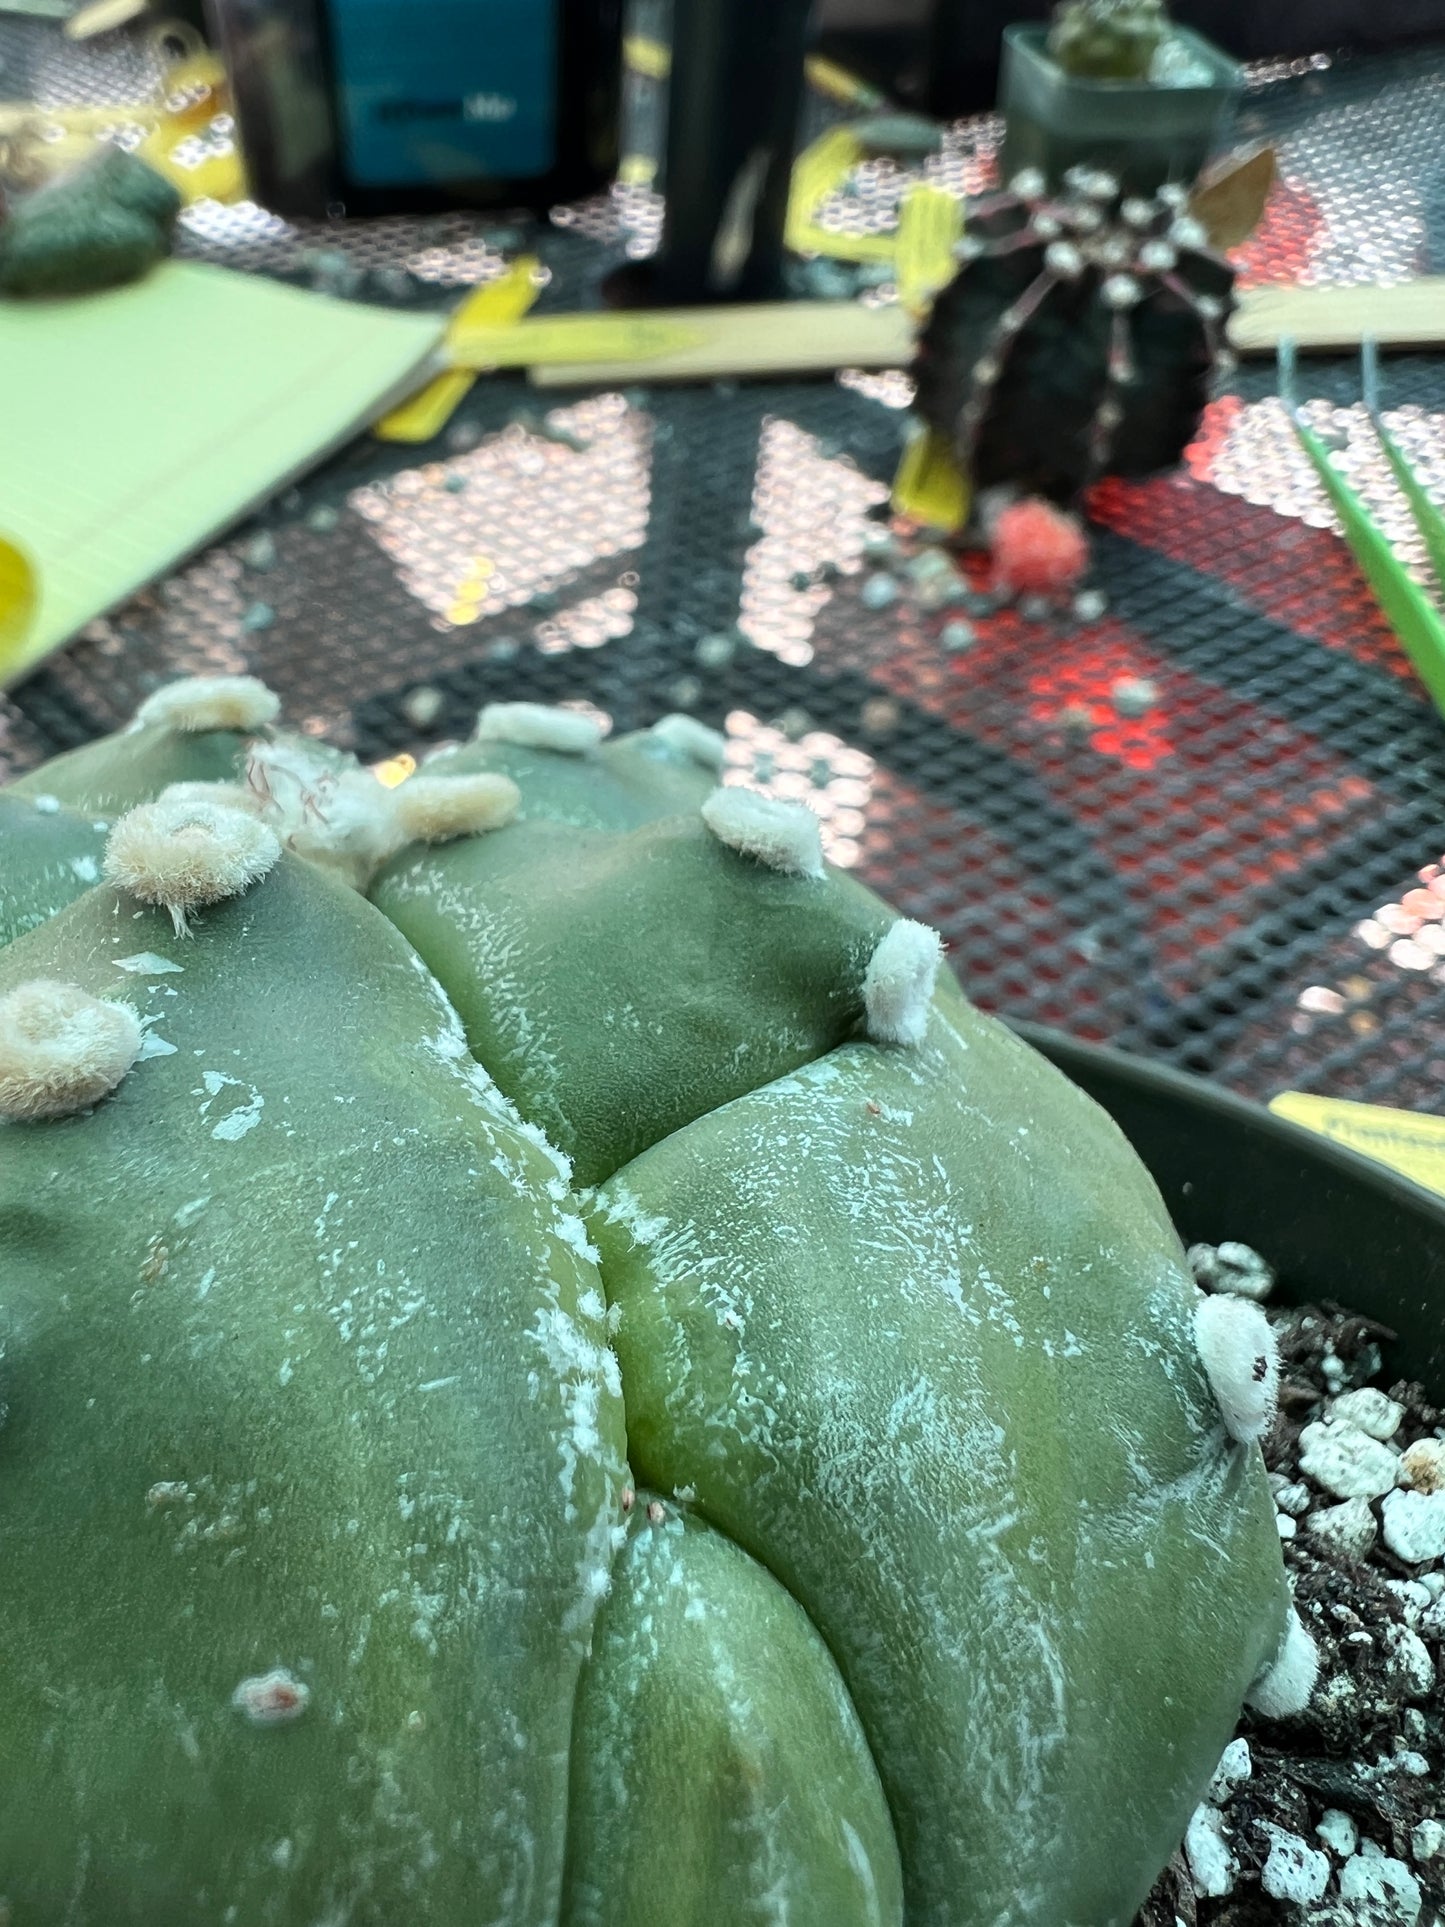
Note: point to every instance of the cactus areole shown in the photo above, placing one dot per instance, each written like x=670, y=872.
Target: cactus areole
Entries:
x=562, y=1374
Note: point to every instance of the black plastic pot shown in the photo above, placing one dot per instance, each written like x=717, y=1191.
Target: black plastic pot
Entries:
x=1336, y=1226
x=1141, y=132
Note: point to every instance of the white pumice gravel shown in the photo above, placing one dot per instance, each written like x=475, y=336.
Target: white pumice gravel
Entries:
x=1211, y=1864
x=1346, y=1461
x=1293, y=1870
x=1234, y=1769
x=1414, y=1525
x=1349, y=1530
x=1370, y=1410
x=1377, y=1878
x=1338, y=1831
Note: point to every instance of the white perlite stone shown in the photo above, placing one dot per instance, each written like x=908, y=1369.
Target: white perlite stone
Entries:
x=1231, y=1267
x=210, y=702
x=1409, y=1658
x=784, y=836
x=1427, y=1840
x=1285, y=1686
x=1212, y=1867
x=1293, y=1498
x=1346, y=1461
x=1370, y=1410
x=690, y=738
x=1415, y=1599
x=569, y=732
x=898, y=985
x=1338, y=1831
x=1235, y=1767
x=1237, y=1349
x=1285, y=1525
x=1422, y=1465
x=1414, y=1525
x=1293, y=1871
x=1347, y=1530
x=1375, y=1876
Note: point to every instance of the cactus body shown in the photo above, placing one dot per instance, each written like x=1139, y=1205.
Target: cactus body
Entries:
x=328, y=1593
x=1077, y=340
x=101, y=224
x=49, y=856
x=1108, y=39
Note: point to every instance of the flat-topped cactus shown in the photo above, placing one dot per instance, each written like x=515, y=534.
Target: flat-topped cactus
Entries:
x=330, y=1367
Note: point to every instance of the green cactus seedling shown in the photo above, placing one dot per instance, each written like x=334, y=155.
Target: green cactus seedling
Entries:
x=1108, y=39
x=554, y=1371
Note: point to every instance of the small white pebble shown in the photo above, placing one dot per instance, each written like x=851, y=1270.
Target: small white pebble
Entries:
x=1285, y=1525
x=1231, y=1267
x=1134, y=696
x=1293, y=1498
x=1090, y=604
x=422, y=706
x=1338, y=1831
x=1409, y=1658
x=1407, y=1761
x=1212, y=1866
x=1427, y=1840
x=1413, y=1597
x=1346, y=1461
x=878, y=591
x=1347, y=1531
x=958, y=635
x=1434, y=1583
x=1422, y=1465
x=271, y=1699
x=1235, y=1767
x=1375, y=1876
x=1370, y=1410
x=1293, y=1871
x=1414, y=1525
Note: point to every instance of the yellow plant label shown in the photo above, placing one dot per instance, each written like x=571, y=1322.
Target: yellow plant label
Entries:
x=569, y=338
x=930, y=488
x=1411, y=1142
x=928, y=231
x=495, y=304
x=17, y=602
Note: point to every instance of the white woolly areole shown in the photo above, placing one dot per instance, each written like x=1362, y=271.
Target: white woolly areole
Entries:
x=1239, y=1355
x=432, y=809
x=898, y=986
x=685, y=734
x=211, y=702
x=341, y=819
x=185, y=854
x=61, y=1050
x=1284, y=1687
x=538, y=726
x=785, y=836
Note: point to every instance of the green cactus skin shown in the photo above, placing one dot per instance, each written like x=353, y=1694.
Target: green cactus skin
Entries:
x=618, y=986
x=49, y=856
x=903, y=1330
x=626, y=783
x=302, y=1283
x=701, y=1656
x=1108, y=39
x=905, y=1374
x=116, y=772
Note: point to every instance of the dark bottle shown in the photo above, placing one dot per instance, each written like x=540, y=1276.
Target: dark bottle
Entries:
x=388, y=106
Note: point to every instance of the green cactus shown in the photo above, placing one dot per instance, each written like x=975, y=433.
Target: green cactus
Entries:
x=1108, y=39
x=329, y=1367
x=49, y=856
x=96, y=226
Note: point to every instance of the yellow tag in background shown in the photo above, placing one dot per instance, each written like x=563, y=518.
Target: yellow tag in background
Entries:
x=820, y=170
x=17, y=601
x=494, y=305
x=553, y=339
x=1411, y=1142
x=929, y=227
x=930, y=488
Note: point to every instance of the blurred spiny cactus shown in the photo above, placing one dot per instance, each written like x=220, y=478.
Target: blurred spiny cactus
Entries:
x=1108, y=39
x=1078, y=338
